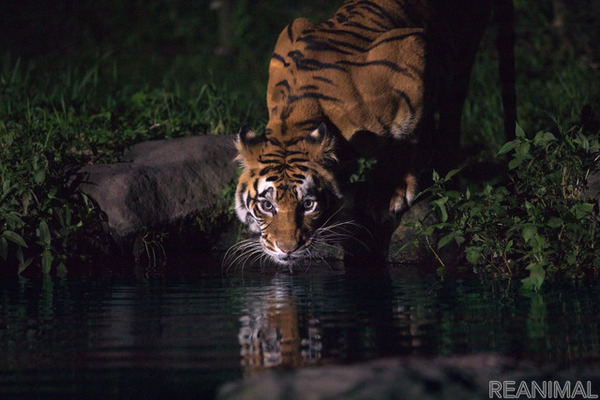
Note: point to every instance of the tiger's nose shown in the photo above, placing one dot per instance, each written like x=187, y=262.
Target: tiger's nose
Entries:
x=288, y=248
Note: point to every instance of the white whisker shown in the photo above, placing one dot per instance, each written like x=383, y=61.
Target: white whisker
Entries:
x=242, y=250
x=330, y=237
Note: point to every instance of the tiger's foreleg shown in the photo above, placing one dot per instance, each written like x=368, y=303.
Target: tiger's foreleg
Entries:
x=401, y=173
x=394, y=185
x=404, y=195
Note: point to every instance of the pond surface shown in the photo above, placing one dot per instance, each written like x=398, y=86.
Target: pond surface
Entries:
x=182, y=336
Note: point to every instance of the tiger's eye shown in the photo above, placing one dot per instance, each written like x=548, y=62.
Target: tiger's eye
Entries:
x=266, y=205
x=309, y=204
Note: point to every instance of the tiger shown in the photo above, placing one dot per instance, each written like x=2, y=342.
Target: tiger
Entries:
x=368, y=82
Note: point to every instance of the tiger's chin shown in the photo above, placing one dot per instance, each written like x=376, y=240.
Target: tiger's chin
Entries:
x=289, y=260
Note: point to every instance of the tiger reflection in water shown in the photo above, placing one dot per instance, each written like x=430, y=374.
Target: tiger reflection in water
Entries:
x=270, y=333
x=281, y=327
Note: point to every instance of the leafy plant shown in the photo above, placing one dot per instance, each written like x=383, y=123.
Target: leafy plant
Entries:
x=539, y=223
x=365, y=166
x=228, y=192
x=52, y=123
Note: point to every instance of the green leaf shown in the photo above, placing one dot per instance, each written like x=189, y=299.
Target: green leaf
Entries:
x=23, y=263
x=445, y=240
x=519, y=131
x=507, y=147
x=583, y=142
x=44, y=234
x=440, y=204
x=450, y=174
x=555, y=222
x=542, y=139
x=473, y=254
x=428, y=231
x=46, y=261
x=138, y=98
x=536, y=277
x=529, y=232
x=571, y=259
x=39, y=176
x=582, y=210
x=15, y=238
x=522, y=151
x=456, y=235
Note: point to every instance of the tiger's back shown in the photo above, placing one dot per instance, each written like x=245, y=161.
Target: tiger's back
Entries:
x=353, y=72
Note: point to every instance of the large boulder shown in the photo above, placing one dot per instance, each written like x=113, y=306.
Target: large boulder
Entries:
x=159, y=184
x=477, y=376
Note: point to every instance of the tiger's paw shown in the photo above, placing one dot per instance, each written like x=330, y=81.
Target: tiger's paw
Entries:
x=404, y=195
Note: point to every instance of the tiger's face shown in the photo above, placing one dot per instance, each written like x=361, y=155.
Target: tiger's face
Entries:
x=286, y=191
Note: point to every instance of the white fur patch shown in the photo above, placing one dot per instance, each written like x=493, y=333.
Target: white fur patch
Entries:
x=403, y=130
x=302, y=189
x=244, y=214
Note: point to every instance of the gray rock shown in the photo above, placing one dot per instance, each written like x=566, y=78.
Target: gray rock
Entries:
x=453, y=377
x=406, y=246
x=161, y=183
x=593, y=186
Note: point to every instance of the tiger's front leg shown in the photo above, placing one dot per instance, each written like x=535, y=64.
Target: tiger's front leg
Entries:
x=393, y=183
x=404, y=195
x=399, y=174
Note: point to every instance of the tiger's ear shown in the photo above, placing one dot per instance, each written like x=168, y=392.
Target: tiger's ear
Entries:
x=321, y=145
x=247, y=136
x=248, y=146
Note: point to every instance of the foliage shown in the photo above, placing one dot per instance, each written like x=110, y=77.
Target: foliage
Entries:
x=97, y=77
x=228, y=192
x=39, y=211
x=540, y=221
x=51, y=124
x=364, y=167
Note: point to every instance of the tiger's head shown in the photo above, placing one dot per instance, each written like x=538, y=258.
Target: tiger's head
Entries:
x=287, y=191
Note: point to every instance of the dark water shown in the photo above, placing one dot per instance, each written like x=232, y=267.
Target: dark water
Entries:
x=182, y=336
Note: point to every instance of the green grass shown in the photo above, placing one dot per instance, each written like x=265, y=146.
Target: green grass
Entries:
x=95, y=78
x=53, y=123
